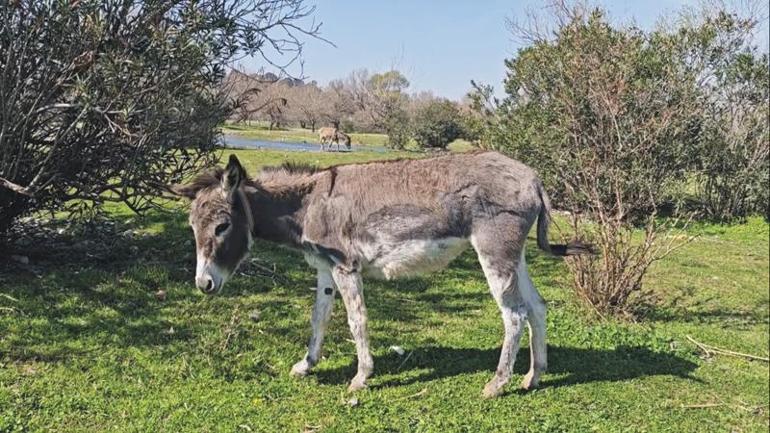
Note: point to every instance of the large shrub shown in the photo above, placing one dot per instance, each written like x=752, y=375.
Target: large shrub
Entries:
x=398, y=128
x=111, y=99
x=615, y=119
x=607, y=116
x=437, y=124
x=734, y=93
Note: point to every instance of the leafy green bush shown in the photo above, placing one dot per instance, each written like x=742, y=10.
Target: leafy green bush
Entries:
x=606, y=115
x=398, y=129
x=733, y=144
x=437, y=124
x=615, y=118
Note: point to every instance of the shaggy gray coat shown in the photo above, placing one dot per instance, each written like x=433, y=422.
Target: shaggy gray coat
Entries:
x=385, y=220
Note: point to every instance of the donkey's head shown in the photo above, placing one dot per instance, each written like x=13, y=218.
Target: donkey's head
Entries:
x=222, y=222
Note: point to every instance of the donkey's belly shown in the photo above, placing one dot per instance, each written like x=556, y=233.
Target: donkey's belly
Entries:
x=411, y=257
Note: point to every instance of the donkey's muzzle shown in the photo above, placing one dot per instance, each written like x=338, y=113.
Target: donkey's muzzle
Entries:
x=206, y=284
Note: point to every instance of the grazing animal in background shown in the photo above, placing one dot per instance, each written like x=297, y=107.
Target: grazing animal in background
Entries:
x=344, y=138
x=326, y=135
x=359, y=220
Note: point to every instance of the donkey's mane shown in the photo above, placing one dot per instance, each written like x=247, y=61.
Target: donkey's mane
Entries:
x=212, y=177
x=293, y=168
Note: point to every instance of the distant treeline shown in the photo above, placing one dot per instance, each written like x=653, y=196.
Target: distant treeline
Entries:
x=362, y=102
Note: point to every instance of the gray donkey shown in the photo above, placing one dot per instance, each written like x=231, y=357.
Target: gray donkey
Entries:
x=384, y=220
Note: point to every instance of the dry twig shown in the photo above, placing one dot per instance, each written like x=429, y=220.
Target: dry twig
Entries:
x=712, y=349
x=701, y=406
x=416, y=394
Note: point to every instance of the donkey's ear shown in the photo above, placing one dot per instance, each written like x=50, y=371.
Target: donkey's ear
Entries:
x=234, y=174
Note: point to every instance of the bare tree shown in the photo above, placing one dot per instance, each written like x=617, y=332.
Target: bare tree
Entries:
x=379, y=95
x=306, y=105
x=254, y=96
x=338, y=102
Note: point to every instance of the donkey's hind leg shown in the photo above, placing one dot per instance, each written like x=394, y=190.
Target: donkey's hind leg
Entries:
x=536, y=311
x=352, y=293
x=499, y=252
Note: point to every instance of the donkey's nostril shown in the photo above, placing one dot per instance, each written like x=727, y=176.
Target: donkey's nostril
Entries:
x=206, y=284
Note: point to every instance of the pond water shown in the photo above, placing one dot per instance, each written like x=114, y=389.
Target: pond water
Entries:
x=251, y=143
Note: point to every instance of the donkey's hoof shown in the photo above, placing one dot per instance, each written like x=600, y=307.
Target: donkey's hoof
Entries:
x=357, y=385
x=300, y=369
x=492, y=389
x=530, y=381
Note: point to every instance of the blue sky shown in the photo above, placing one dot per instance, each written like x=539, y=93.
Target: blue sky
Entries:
x=439, y=45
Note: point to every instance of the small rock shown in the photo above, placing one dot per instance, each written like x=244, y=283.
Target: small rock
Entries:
x=353, y=402
x=24, y=260
x=160, y=295
x=255, y=315
x=398, y=349
x=169, y=331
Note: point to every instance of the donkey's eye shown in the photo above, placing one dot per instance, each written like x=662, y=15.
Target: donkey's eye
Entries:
x=221, y=228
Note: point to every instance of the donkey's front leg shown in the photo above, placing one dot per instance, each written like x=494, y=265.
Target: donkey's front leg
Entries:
x=322, y=312
x=352, y=292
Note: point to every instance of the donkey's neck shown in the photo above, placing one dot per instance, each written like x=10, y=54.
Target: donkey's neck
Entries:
x=278, y=207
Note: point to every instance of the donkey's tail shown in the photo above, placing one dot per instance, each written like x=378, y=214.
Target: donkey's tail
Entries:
x=543, y=220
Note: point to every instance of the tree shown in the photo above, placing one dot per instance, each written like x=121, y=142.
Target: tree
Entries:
x=734, y=102
x=380, y=98
x=259, y=96
x=338, y=102
x=608, y=116
x=110, y=100
x=307, y=105
x=483, y=125
x=437, y=124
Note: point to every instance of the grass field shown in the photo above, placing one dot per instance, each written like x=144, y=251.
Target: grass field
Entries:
x=85, y=345
x=300, y=135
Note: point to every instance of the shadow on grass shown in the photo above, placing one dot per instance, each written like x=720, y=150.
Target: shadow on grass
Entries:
x=88, y=288
x=726, y=318
x=577, y=365
x=686, y=307
x=106, y=299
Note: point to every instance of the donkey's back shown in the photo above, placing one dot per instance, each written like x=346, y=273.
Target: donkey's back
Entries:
x=414, y=216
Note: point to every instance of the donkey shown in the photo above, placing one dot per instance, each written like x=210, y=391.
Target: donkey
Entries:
x=384, y=220
x=344, y=138
x=326, y=135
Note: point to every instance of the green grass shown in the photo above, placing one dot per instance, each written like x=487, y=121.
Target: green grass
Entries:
x=85, y=345
x=300, y=135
